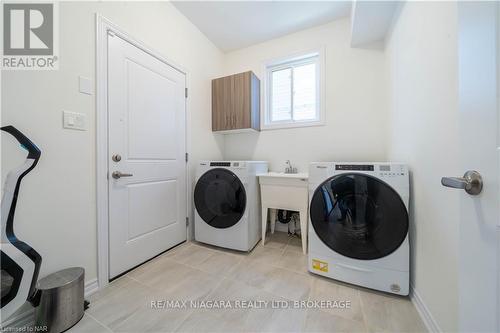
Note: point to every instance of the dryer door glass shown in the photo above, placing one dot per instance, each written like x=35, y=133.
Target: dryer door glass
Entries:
x=220, y=198
x=359, y=216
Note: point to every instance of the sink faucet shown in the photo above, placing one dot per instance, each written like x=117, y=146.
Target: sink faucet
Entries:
x=289, y=168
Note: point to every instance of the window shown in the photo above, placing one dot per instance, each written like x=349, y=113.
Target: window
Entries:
x=293, y=92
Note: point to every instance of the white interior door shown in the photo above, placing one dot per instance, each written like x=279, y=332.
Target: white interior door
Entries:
x=478, y=257
x=146, y=110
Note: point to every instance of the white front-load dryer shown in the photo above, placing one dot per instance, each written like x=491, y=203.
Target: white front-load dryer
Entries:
x=227, y=203
x=358, y=224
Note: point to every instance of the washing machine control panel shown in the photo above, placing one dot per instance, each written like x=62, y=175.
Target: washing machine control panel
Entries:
x=354, y=167
x=221, y=164
x=392, y=170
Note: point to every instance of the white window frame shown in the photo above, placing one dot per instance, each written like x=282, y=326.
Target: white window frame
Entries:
x=291, y=61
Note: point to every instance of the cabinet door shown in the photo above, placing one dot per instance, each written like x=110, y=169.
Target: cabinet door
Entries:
x=255, y=102
x=222, y=103
x=240, y=111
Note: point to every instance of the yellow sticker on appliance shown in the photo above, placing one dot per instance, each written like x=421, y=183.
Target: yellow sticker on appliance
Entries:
x=319, y=265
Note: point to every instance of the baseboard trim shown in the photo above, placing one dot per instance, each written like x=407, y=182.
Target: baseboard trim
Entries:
x=423, y=311
x=91, y=287
x=25, y=318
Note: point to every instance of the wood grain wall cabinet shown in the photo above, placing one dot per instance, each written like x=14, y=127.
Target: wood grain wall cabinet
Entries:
x=236, y=103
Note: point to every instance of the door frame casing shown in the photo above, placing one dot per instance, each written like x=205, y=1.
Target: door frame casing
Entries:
x=103, y=27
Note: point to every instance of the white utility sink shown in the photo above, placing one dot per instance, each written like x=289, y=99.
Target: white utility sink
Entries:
x=279, y=190
x=284, y=175
x=281, y=178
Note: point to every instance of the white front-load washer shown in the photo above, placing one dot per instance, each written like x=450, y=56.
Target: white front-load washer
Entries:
x=227, y=203
x=358, y=224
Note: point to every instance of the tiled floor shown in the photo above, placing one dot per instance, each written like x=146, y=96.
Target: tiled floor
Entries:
x=276, y=272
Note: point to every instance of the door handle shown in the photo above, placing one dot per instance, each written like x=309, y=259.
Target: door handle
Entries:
x=118, y=175
x=471, y=182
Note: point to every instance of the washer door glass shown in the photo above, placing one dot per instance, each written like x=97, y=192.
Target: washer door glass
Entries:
x=359, y=216
x=220, y=198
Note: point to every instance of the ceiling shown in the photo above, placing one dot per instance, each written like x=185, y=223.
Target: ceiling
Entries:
x=232, y=25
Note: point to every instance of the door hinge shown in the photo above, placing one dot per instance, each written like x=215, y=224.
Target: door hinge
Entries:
x=186, y=92
x=187, y=221
x=187, y=157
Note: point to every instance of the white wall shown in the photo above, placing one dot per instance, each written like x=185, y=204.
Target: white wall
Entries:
x=57, y=206
x=356, y=117
x=422, y=59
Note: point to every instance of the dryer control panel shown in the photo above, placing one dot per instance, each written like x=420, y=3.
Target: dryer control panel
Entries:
x=237, y=164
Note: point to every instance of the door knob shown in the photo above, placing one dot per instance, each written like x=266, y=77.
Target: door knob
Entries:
x=471, y=182
x=118, y=175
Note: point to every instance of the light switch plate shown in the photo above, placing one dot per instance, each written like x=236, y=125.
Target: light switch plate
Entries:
x=85, y=85
x=74, y=120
